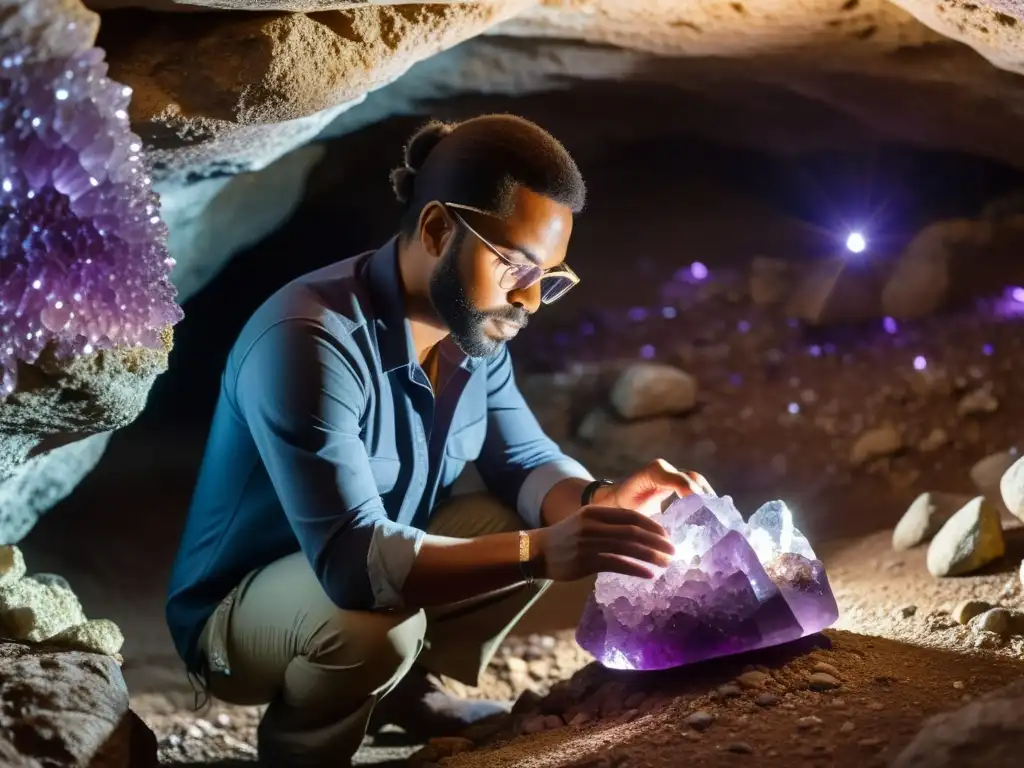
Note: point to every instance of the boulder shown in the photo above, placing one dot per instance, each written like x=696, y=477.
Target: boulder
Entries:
x=971, y=539
x=67, y=709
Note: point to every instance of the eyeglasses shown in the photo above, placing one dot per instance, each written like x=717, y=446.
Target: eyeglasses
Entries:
x=517, y=275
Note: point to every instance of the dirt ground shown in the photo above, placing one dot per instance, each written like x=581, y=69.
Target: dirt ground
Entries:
x=895, y=651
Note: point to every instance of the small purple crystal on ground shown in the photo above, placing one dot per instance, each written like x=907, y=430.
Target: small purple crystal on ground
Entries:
x=83, y=257
x=734, y=586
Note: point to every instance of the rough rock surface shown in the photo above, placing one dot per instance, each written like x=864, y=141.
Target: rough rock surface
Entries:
x=645, y=390
x=67, y=708
x=982, y=734
x=1011, y=487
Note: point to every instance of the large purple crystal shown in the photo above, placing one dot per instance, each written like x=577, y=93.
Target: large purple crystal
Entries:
x=83, y=257
x=733, y=586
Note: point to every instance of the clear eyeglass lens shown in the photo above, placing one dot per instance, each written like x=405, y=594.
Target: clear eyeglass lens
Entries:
x=554, y=287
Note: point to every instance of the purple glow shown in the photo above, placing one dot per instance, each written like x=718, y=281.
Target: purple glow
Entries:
x=743, y=327
x=637, y=314
x=668, y=312
x=562, y=339
x=920, y=363
x=647, y=351
x=731, y=587
x=736, y=379
x=987, y=350
x=587, y=328
x=698, y=270
x=793, y=408
x=890, y=325
x=815, y=350
x=1017, y=294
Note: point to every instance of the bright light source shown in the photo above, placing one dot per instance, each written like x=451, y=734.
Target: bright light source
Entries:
x=856, y=242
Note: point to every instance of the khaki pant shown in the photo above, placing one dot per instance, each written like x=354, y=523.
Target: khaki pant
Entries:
x=322, y=669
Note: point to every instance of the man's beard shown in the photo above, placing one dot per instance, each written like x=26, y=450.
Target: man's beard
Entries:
x=464, y=321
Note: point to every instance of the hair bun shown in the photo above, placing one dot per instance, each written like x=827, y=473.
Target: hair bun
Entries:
x=422, y=143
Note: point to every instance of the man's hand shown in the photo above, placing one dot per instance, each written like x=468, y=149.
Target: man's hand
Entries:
x=601, y=540
x=646, y=490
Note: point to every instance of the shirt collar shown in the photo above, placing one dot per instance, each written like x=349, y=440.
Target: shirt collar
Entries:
x=393, y=331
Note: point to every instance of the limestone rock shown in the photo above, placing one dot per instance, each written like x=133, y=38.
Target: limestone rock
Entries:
x=1011, y=488
x=835, y=291
x=876, y=443
x=987, y=475
x=261, y=71
x=56, y=405
x=68, y=709
x=212, y=220
x=925, y=516
x=34, y=612
x=96, y=635
x=986, y=733
x=972, y=538
x=12, y=565
x=968, y=609
x=921, y=282
x=646, y=389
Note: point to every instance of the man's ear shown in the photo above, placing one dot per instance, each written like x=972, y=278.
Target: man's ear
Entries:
x=435, y=229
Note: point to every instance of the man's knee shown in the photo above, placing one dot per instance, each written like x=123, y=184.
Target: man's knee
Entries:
x=378, y=648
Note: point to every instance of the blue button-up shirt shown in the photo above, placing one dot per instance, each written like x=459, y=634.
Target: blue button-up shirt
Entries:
x=328, y=437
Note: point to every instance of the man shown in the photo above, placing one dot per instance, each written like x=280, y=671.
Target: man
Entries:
x=326, y=565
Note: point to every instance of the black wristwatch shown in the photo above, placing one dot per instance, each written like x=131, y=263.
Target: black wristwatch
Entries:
x=590, y=489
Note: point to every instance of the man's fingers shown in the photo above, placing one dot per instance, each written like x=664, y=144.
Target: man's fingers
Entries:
x=619, y=516
x=636, y=551
x=609, y=563
x=653, y=539
x=682, y=482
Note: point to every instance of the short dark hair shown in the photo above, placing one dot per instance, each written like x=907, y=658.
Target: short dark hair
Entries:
x=480, y=162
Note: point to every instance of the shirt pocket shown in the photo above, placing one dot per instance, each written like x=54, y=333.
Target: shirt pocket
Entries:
x=385, y=473
x=465, y=442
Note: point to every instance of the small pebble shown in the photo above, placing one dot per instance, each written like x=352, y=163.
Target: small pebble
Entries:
x=876, y=706
x=700, y=720
x=811, y=721
x=828, y=669
x=740, y=748
x=223, y=720
x=753, y=679
x=847, y=727
x=729, y=690
x=766, y=699
x=905, y=612
x=553, y=721
x=194, y=732
x=581, y=718
x=968, y=609
x=874, y=741
x=958, y=684
x=996, y=620
x=822, y=681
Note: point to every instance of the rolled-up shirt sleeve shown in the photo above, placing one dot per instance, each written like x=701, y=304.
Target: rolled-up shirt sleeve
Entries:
x=301, y=391
x=519, y=463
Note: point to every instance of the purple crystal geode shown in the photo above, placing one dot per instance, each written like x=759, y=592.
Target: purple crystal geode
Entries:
x=83, y=258
x=732, y=587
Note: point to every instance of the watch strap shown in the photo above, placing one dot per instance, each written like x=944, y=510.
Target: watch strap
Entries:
x=587, y=497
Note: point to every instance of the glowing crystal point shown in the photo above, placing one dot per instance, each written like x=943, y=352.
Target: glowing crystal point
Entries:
x=83, y=258
x=732, y=587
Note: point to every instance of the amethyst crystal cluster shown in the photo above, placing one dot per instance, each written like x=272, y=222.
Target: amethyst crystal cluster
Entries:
x=733, y=586
x=83, y=258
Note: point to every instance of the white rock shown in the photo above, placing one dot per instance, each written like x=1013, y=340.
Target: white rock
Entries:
x=1011, y=488
x=936, y=439
x=876, y=443
x=925, y=516
x=968, y=609
x=971, y=539
x=988, y=473
x=12, y=565
x=34, y=612
x=995, y=620
x=648, y=389
x=96, y=635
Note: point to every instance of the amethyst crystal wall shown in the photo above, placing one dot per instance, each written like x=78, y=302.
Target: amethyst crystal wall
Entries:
x=733, y=587
x=83, y=260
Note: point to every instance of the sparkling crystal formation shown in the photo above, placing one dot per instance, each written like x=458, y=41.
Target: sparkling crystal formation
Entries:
x=733, y=586
x=83, y=258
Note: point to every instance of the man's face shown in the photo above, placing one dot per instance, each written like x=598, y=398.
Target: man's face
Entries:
x=465, y=287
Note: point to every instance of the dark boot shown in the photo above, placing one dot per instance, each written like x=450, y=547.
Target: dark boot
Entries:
x=421, y=707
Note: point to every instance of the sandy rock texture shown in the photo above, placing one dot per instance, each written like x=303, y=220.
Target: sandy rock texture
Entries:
x=67, y=708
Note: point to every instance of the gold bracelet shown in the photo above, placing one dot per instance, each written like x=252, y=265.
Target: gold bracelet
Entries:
x=524, y=557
